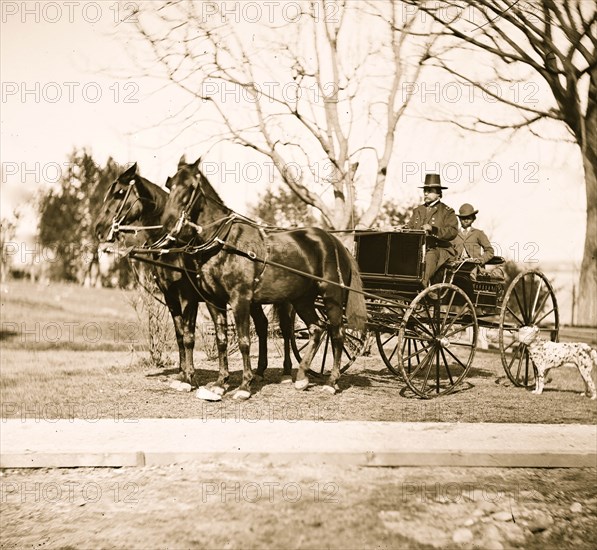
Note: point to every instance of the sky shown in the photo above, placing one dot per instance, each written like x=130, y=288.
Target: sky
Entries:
x=62, y=88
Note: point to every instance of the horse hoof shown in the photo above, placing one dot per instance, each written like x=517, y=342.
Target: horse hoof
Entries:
x=258, y=378
x=207, y=395
x=180, y=386
x=301, y=384
x=329, y=389
x=218, y=390
x=241, y=395
x=286, y=379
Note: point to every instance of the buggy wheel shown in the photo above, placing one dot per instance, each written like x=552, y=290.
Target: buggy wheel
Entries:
x=353, y=347
x=529, y=301
x=437, y=340
x=385, y=320
x=387, y=345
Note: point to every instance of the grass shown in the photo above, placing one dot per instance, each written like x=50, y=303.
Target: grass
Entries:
x=67, y=317
x=104, y=378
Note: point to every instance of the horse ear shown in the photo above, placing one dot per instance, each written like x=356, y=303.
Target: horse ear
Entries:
x=182, y=161
x=131, y=171
x=196, y=164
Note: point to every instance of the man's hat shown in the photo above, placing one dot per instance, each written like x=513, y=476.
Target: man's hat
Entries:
x=432, y=180
x=466, y=210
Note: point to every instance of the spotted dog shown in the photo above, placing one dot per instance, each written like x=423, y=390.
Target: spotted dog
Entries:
x=549, y=355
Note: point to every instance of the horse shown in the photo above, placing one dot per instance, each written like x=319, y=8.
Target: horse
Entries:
x=132, y=199
x=238, y=264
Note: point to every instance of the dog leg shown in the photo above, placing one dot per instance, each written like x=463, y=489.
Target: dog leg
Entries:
x=585, y=367
x=539, y=382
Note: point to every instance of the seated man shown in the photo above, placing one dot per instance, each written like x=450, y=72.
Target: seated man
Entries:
x=439, y=222
x=472, y=243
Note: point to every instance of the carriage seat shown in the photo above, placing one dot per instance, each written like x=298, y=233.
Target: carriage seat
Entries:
x=475, y=270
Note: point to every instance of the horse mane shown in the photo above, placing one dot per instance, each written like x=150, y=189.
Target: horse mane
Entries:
x=209, y=190
x=158, y=194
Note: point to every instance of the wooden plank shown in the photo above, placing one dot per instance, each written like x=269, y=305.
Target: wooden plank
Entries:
x=71, y=460
x=477, y=459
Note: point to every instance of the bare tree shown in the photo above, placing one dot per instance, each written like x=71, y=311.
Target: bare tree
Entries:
x=556, y=41
x=315, y=95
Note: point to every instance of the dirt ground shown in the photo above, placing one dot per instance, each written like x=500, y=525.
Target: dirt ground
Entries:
x=91, y=384
x=235, y=505
x=259, y=505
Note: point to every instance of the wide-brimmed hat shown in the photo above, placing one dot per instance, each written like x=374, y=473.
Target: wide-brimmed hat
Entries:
x=432, y=181
x=466, y=210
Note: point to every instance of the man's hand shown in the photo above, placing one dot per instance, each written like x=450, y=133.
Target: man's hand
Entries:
x=427, y=227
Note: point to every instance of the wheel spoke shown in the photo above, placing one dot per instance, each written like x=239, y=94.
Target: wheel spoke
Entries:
x=393, y=335
x=459, y=329
x=391, y=356
x=447, y=313
x=532, y=316
x=510, y=345
x=520, y=321
x=447, y=367
x=429, y=316
x=420, y=366
x=518, y=349
x=458, y=360
x=417, y=351
x=524, y=301
x=526, y=369
x=303, y=346
x=432, y=355
x=415, y=318
x=537, y=321
x=462, y=311
x=519, y=363
x=520, y=308
x=325, y=350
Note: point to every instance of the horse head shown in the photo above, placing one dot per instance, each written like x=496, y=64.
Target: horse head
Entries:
x=185, y=202
x=129, y=199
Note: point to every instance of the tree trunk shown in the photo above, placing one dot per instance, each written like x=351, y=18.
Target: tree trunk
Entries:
x=587, y=307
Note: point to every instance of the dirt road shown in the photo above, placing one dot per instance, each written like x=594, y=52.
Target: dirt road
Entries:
x=235, y=505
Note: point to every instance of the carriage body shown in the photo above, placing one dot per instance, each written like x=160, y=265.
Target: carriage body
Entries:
x=392, y=264
x=429, y=335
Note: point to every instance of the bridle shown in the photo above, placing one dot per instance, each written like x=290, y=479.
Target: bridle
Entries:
x=117, y=225
x=184, y=220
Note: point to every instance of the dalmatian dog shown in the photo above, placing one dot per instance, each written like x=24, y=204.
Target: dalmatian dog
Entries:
x=548, y=355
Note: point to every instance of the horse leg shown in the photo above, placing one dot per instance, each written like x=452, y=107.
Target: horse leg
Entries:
x=284, y=318
x=220, y=321
x=334, y=315
x=306, y=311
x=240, y=310
x=189, y=319
x=172, y=298
x=261, y=323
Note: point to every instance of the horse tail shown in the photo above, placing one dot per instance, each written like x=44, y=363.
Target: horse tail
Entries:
x=593, y=355
x=356, y=309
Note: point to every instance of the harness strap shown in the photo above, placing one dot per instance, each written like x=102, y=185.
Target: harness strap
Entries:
x=227, y=247
x=340, y=278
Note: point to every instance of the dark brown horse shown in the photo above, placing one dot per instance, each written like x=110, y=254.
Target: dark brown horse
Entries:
x=239, y=264
x=133, y=199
